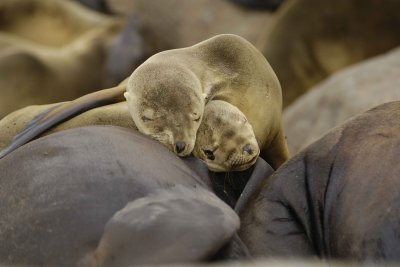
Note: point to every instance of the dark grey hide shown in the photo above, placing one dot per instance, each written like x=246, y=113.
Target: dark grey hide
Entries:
x=106, y=196
x=338, y=199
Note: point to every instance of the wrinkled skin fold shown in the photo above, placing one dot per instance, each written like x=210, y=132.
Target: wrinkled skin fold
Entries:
x=337, y=199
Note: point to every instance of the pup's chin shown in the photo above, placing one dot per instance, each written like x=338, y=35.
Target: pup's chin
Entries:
x=230, y=168
x=217, y=168
x=187, y=152
x=246, y=165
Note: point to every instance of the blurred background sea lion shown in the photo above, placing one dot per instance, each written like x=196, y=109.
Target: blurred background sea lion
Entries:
x=309, y=40
x=167, y=24
x=347, y=93
x=52, y=50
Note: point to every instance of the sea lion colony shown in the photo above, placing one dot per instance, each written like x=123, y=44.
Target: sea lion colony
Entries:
x=167, y=93
x=312, y=207
x=336, y=200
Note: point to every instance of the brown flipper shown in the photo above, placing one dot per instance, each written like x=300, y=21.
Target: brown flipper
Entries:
x=175, y=225
x=56, y=115
x=277, y=152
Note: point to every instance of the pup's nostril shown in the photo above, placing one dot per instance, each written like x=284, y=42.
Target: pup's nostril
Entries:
x=248, y=149
x=180, y=146
x=209, y=154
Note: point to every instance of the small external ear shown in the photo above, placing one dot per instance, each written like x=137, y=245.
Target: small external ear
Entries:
x=128, y=96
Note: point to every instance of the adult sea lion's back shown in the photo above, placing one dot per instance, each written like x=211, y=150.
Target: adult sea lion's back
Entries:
x=59, y=192
x=337, y=198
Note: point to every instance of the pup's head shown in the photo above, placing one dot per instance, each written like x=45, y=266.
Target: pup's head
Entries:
x=225, y=139
x=166, y=103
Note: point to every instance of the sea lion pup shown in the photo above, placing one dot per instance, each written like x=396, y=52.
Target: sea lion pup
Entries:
x=167, y=93
x=225, y=139
x=223, y=126
x=158, y=121
x=166, y=102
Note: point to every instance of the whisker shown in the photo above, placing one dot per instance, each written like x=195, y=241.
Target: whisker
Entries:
x=225, y=178
x=159, y=138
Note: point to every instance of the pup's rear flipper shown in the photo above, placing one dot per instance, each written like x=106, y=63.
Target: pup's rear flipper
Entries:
x=57, y=114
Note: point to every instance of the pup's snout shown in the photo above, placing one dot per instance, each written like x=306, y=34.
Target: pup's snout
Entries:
x=248, y=149
x=180, y=146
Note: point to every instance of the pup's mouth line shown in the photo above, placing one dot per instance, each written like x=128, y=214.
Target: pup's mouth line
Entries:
x=244, y=166
x=233, y=167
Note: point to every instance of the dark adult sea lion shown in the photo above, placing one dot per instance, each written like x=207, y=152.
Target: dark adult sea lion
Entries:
x=166, y=96
x=94, y=195
x=51, y=51
x=309, y=40
x=337, y=199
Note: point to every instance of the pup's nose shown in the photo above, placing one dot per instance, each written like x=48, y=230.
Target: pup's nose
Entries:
x=248, y=149
x=180, y=146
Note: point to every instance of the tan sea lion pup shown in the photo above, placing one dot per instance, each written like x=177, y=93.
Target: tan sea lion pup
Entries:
x=225, y=139
x=167, y=93
x=223, y=126
x=225, y=67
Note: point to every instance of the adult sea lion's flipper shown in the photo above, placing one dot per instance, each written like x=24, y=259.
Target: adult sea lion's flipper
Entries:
x=173, y=225
x=55, y=115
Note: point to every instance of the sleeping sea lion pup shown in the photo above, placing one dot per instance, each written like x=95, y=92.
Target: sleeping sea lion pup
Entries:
x=166, y=102
x=225, y=139
x=167, y=93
